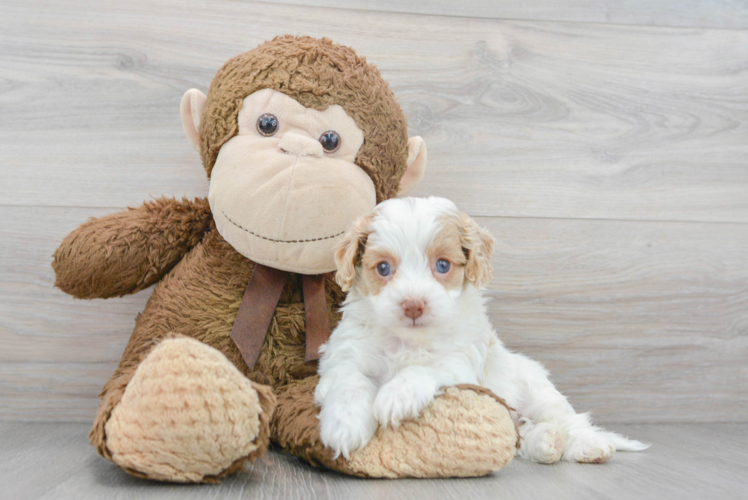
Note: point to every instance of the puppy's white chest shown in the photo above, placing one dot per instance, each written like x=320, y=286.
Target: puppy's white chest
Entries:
x=400, y=353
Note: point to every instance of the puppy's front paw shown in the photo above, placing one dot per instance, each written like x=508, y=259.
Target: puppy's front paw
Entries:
x=346, y=426
x=323, y=388
x=399, y=400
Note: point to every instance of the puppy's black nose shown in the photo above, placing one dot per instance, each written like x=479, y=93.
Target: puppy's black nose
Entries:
x=412, y=308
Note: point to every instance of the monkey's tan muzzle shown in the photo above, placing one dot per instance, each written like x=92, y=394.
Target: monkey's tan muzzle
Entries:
x=283, y=210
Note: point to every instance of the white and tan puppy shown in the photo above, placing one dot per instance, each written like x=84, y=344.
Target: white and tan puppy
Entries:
x=415, y=321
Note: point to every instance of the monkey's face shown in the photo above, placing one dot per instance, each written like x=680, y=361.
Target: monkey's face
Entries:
x=285, y=189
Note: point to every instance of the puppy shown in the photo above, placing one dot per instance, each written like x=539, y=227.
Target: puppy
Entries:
x=415, y=321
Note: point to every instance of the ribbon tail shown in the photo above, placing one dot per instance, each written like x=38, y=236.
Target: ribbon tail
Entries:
x=315, y=315
x=256, y=311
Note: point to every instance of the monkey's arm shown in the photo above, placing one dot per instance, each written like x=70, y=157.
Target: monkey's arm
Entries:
x=127, y=251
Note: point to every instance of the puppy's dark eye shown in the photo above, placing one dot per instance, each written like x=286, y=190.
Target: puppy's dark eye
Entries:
x=442, y=266
x=267, y=125
x=330, y=141
x=383, y=268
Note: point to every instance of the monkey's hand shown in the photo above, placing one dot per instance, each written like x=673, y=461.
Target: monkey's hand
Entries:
x=127, y=251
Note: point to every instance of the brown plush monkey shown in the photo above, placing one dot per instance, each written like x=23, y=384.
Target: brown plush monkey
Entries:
x=299, y=137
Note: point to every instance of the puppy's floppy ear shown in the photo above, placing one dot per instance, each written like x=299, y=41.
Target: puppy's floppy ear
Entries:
x=478, y=247
x=349, y=250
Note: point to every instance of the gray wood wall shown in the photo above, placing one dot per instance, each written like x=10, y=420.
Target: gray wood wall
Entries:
x=603, y=143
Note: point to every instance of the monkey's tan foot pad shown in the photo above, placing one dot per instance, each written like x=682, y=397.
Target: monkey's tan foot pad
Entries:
x=465, y=432
x=188, y=415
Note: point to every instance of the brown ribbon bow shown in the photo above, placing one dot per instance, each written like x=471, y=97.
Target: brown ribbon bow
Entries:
x=258, y=306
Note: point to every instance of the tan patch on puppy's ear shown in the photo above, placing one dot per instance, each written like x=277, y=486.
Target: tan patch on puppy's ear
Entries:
x=478, y=247
x=349, y=250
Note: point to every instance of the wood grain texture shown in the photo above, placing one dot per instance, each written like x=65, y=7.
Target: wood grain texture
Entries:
x=522, y=118
x=686, y=13
x=55, y=351
x=637, y=321
x=55, y=461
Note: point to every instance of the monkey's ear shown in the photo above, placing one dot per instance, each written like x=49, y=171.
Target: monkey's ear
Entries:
x=191, y=110
x=349, y=250
x=416, y=165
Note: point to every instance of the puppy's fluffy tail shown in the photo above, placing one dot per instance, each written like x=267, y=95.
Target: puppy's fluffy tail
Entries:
x=622, y=443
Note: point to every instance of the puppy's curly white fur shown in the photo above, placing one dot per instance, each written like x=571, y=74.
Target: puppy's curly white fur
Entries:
x=415, y=322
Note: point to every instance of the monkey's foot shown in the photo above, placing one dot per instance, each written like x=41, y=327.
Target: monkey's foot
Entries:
x=464, y=432
x=188, y=415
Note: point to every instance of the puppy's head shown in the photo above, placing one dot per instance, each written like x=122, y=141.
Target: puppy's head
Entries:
x=413, y=259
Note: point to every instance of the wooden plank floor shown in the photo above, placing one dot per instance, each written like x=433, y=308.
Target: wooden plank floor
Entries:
x=608, y=158
x=54, y=461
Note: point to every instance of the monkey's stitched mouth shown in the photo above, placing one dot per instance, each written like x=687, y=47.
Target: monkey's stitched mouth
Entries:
x=280, y=241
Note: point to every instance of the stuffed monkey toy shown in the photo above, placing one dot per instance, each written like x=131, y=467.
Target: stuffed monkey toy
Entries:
x=299, y=137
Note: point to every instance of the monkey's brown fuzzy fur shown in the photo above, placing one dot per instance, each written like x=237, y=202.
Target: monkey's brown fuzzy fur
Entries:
x=155, y=245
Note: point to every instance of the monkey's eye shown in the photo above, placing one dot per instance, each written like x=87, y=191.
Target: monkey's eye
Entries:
x=330, y=141
x=267, y=125
x=442, y=266
x=384, y=269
